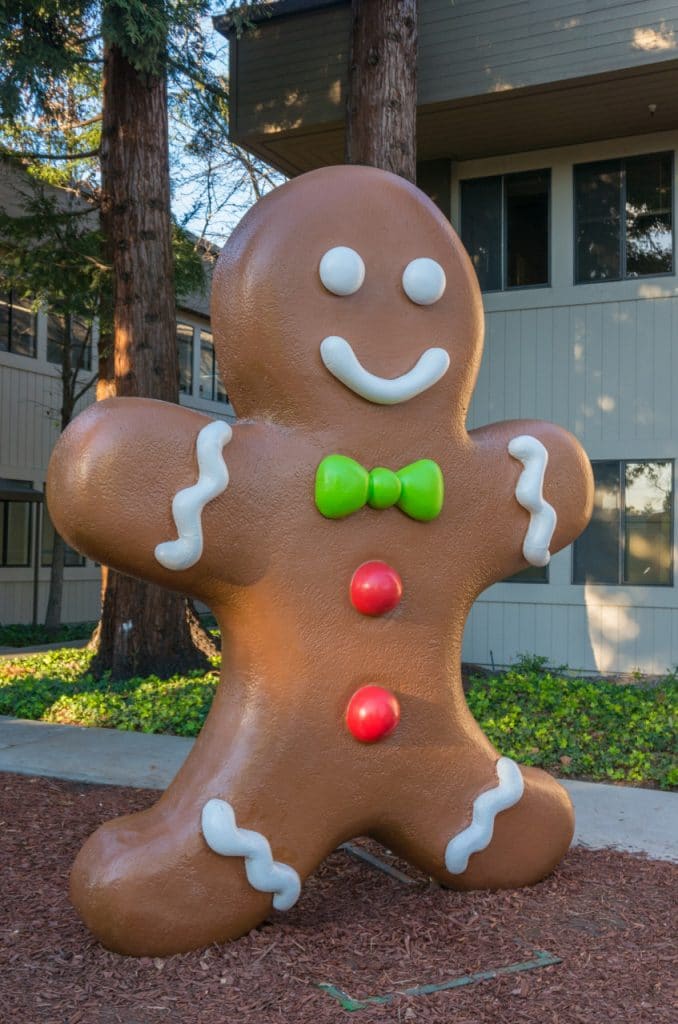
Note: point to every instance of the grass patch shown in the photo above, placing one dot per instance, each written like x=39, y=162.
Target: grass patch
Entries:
x=593, y=729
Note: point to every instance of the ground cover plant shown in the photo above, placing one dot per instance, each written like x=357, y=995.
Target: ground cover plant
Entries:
x=583, y=728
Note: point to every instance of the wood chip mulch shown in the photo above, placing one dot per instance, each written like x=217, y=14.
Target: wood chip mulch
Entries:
x=606, y=915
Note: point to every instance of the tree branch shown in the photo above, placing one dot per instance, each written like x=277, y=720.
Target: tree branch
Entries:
x=24, y=155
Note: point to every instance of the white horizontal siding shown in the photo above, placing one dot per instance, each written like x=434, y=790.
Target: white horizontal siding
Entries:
x=589, y=637
x=607, y=371
x=291, y=72
x=81, y=603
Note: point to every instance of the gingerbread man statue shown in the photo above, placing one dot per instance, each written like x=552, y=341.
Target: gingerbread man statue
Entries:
x=340, y=530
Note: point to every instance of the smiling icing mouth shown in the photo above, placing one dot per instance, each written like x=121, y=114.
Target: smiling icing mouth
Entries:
x=342, y=362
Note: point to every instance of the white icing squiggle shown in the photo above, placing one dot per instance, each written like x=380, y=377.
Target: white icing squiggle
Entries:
x=530, y=494
x=486, y=807
x=263, y=873
x=342, y=362
x=188, y=503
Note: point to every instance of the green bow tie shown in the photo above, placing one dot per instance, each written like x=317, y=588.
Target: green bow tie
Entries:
x=342, y=486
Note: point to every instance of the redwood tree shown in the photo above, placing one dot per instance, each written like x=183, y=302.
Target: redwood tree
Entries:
x=143, y=628
x=382, y=86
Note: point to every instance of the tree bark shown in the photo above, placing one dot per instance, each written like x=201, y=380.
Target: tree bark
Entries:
x=143, y=629
x=382, y=86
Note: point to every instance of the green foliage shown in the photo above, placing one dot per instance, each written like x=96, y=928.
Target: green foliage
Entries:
x=574, y=727
x=22, y=635
x=41, y=42
x=56, y=686
x=581, y=727
x=53, y=252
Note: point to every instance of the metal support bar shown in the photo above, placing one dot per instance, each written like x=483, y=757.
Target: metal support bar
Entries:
x=347, y=1002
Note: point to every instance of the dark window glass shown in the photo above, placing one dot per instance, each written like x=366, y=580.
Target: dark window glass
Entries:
x=211, y=386
x=74, y=332
x=629, y=537
x=481, y=228
x=649, y=230
x=596, y=552
x=15, y=528
x=526, y=198
x=598, y=198
x=505, y=229
x=17, y=325
x=533, y=574
x=623, y=218
x=185, y=345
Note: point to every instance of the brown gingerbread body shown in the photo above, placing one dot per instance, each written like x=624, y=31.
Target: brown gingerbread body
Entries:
x=276, y=573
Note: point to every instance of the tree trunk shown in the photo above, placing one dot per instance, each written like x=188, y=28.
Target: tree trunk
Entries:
x=144, y=629
x=56, y=582
x=382, y=86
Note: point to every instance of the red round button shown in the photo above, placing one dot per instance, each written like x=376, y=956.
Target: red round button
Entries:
x=372, y=713
x=375, y=588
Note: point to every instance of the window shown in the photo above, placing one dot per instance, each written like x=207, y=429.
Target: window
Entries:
x=629, y=538
x=211, y=386
x=505, y=228
x=17, y=325
x=80, y=341
x=185, y=346
x=15, y=526
x=624, y=218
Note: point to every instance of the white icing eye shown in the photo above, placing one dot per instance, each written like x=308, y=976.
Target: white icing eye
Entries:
x=341, y=270
x=424, y=281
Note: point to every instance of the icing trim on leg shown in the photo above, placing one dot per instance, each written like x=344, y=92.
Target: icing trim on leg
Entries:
x=264, y=874
x=486, y=807
x=530, y=494
x=189, y=502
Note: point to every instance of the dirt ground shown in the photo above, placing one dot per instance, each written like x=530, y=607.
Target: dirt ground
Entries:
x=606, y=915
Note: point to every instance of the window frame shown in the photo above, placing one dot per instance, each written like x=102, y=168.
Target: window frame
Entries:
x=5, y=502
x=621, y=582
x=192, y=327
x=52, y=318
x=503, y=236
x=622, y=234
x=12, y=304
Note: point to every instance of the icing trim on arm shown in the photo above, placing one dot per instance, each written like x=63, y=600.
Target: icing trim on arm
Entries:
x=188, y=503
x=530, y=494
x=264, y=874
x=342, y=362
x=486, y=807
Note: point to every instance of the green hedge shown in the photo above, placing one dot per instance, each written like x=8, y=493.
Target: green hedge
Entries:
x=574, y=727
x=31, y=636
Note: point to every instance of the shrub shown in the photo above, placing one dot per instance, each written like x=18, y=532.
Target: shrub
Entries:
x=584, y=727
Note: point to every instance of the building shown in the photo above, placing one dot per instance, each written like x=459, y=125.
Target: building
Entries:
x=547, y=132
x=30, y=392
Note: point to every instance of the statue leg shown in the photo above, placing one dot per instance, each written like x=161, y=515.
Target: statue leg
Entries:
x=509, y=829
x=228, y=844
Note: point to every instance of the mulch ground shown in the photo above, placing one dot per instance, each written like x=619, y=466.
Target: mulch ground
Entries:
x=606, y=915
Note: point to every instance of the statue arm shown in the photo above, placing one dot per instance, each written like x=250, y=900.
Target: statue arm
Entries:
x=138, y=485
x=536, y=493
